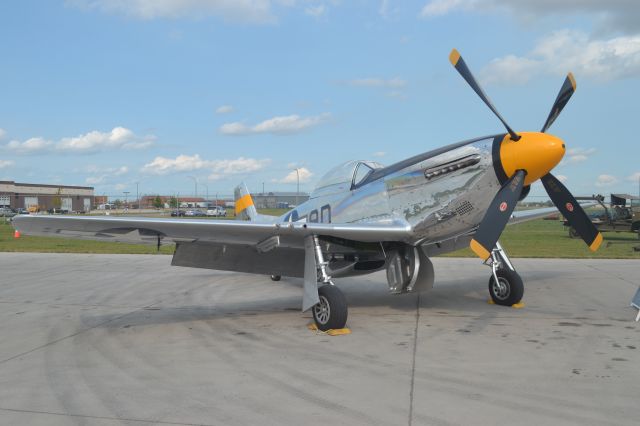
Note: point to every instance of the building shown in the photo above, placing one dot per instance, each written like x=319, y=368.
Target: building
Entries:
x=278, y=200
x=43, y=197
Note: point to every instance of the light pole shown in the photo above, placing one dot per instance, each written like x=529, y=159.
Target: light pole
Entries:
x=195, y=181
x=126, y=196
x=206, y=200
x=298, y=187
x=137, y=195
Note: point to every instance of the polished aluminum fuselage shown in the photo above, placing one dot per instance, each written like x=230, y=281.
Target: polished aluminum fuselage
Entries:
x=438, y=207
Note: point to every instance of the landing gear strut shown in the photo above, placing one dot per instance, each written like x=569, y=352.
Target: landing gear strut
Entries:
x=505, y=285
x=331, y=311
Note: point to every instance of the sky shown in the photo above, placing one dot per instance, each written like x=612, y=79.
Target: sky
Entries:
x=156, y=95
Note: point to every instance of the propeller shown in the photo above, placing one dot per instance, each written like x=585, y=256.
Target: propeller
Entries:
x=461, y=66
x=497, y=216
x=566, y=91
x=529, y=160
x=572, y=211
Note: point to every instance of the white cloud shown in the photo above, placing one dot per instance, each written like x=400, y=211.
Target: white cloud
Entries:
x=292, y=177
x=315, y=11
x=610, y=15
x=5, y=163
x=391, y=83
x=561, y=178
x=189, y=163
x=606, y=180
x=634, y=177
x=578, y=155
x=33, y=145
x=276, y=125
x=224, y=109
x=251, y=11
x=379, y=154
x=3, y=133
x=103, y=175
x=442, y=7
x=565, y=50
x=119, y=138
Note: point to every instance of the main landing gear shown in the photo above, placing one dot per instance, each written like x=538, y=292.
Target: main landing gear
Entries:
x=331, y=312
x=505, y=285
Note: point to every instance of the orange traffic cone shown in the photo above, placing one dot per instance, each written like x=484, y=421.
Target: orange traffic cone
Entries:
x=16, y=234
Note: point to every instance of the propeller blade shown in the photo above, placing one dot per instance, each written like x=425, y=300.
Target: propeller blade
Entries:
x=459, y=64
x=572, y=211
x=566, y=91
x=497, y=216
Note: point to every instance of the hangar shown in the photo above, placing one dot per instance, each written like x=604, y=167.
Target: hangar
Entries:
x=35, y=196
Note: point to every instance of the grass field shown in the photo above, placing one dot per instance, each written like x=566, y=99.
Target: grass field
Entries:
x=538, y=238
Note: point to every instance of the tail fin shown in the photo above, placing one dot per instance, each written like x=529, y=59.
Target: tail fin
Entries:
x=245, y=210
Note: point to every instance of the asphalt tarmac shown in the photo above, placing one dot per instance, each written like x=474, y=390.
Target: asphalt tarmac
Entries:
x=128, y=339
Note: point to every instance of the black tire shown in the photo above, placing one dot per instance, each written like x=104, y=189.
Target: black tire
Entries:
x=510, y=290
x=331, y=312
x=573, y=233
x=275, y=277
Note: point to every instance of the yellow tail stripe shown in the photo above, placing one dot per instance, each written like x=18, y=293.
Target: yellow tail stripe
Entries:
x=243, y=202
x=477, y=248
x=596, y=242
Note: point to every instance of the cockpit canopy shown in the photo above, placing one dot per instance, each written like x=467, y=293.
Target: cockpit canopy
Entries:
x=344, y=177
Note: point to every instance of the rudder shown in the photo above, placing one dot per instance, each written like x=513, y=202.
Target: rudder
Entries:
x=245, y=209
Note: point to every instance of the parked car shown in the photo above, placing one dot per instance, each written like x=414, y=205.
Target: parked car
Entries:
x=217, y=211
x=7, y=212
x=195, y=213
x=177, y=213
x=22, y=211
x=55, y=210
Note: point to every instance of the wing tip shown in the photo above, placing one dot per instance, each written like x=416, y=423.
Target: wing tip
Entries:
x=479, y=250
x=595, y=245
x=454, y=57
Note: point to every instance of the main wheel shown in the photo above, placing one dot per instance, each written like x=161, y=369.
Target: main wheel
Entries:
x=509, y=288
x=331, y=311
x=275, y=277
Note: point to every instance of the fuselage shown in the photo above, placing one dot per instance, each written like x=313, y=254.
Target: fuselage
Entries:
x=441, y=194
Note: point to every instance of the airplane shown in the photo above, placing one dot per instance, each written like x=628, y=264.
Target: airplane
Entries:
x=364, y=217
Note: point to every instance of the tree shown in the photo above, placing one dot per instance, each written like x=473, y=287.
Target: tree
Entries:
x=157, y=202
x=57, y=201
x=173, y=202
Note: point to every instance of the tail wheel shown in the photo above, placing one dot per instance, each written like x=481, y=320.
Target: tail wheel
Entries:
x=508, y=290
x=275, y=277
x=331, y=312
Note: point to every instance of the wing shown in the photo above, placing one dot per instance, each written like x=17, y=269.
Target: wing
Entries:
x=149, y=230
x=527, y=215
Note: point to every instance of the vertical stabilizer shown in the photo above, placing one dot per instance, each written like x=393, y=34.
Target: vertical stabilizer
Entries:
x=245, y=209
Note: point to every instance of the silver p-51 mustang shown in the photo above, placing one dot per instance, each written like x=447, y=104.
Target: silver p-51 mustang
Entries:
x=364, y=217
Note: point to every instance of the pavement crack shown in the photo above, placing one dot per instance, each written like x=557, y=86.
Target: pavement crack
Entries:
x=87, y=416
x=413, y=360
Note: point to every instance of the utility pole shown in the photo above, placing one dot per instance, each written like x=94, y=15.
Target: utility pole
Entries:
x=262, y=188
x=137, y=195
x=126, y=202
